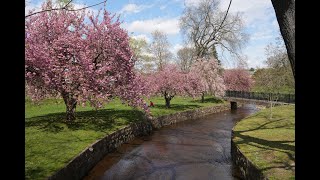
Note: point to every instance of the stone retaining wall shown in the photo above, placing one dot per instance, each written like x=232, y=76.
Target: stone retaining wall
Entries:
x=186, y=115
x=79, y=166
x=247, y=170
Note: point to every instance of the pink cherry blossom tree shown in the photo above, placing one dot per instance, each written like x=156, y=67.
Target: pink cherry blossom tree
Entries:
x=170, y=82
x=237, y=80
x=80, y=61
x=210, y=78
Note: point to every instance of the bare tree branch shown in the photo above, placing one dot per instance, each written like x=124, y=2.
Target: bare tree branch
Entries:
x=230, y=50
x=225, y=16
x=160, y=48
x=88, y=6
x=206, y=26
x=64, y=8
x=53, y=9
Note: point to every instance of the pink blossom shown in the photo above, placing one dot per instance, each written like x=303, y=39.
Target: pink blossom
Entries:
x=170, y=82
x=92, y=62
x=237, y=80
x=210, y=78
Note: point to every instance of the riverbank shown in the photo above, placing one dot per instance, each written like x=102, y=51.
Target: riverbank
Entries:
x=191, y=149
x=51, y=143
x=266, y=146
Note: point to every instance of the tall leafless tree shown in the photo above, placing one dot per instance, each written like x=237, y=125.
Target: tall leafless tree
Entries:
x=186, y=56
x=143, y=60
x=285, y=12
x=160, y=48
x=205, y=26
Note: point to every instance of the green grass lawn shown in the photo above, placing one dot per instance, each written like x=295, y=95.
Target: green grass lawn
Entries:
x=50, y=142
x=269, y=144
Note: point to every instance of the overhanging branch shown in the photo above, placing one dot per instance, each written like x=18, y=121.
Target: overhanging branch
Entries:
x=64, y=8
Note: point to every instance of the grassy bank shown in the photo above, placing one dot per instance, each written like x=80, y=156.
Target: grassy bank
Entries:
x=269, y=144
x=50, y=142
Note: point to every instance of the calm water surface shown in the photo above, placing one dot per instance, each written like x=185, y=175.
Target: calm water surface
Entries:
x=193, y=149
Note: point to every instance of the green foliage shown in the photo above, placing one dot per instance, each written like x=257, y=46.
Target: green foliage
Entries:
x=160, y=48
x=273, y=80
x=140, y=48
x=51, y=142
x=269, y=144
x=138, y=45
x=278, y=76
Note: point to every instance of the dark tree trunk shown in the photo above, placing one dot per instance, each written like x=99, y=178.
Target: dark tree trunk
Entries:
x=71, y=104
x=285, y=12
x=167, y=102
x=202, y=97
x=168, y=98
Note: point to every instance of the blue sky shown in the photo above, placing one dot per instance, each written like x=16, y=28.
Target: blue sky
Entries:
x=141, y=17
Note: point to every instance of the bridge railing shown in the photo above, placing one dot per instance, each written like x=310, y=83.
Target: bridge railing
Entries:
x=287, y=98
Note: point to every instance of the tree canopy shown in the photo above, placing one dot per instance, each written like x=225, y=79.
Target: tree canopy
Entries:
x=77, y=60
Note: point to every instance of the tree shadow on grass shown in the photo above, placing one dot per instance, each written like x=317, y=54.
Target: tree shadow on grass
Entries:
x=34, y=173
x=97, y=120
x=246, y=139
x=208, y=100
x=264, y=125
x=270, y=145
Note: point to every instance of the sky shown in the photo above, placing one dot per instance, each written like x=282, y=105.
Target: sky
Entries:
x=141, y=17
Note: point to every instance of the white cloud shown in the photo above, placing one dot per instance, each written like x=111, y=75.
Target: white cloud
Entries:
x=262, y=35
x=133, y=8
x=253, y=10
x=256, y=55
x=142, y=36
x=240, y=5
x=192, y=2
x=168, y=26
x=162, y=7
x=260, y=19
x=176, y=48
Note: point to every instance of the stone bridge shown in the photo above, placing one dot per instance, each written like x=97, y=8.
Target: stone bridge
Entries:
x=258, y=98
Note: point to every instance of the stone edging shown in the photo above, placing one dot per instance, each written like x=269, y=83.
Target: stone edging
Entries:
x=79, y=166
x=246, y=169
x=186, y=115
